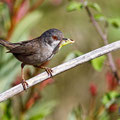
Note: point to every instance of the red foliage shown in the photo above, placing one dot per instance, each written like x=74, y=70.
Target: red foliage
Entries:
x=45, y=83
x=111, y=81
x=113, y=108
x=32, y=100
x=22, y=10
x=93, y=89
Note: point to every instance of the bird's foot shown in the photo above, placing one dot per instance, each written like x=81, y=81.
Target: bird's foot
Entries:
x=24, y=84
x=49, y=71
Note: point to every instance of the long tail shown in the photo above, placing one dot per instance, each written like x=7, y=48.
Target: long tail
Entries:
x=6, y=44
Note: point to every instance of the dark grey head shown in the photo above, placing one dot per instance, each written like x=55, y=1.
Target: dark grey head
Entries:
x=53, y=37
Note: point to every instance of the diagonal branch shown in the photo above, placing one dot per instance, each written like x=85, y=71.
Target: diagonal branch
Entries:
x=61, y=68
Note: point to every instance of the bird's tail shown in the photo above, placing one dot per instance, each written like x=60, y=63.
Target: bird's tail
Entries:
x=5, y=43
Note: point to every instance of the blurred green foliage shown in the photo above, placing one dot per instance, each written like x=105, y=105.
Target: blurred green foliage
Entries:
x=110, y=98
x=5, y=19
x=115, y=22
x=72, y=55
x=98, y=63
x=74, y=6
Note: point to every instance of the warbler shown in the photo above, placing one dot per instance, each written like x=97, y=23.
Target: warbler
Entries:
x=37, y=51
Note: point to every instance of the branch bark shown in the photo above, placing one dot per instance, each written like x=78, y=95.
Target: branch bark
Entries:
x=61, y=68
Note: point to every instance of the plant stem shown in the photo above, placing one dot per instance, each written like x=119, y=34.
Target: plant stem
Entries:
x=36, y=5
x=92, y=107
x=103, y=36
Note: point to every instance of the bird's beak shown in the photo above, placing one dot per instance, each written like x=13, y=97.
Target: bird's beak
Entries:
x=66, y=41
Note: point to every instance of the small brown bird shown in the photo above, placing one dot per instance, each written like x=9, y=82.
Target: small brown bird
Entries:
x=37, y=51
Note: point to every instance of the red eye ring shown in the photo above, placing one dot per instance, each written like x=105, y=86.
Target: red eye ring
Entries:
x=55, y=37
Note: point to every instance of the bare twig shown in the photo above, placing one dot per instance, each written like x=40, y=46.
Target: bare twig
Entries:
x=61, y=68
x=103, y=36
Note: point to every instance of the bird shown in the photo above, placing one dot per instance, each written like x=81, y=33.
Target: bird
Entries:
x=38, y=51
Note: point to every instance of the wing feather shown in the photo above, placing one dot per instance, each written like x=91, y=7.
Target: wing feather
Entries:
x=25, y=48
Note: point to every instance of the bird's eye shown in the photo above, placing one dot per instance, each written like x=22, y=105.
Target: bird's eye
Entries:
x=55, y=37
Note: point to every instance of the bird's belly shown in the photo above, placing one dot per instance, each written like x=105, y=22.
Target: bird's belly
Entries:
x=35, y=59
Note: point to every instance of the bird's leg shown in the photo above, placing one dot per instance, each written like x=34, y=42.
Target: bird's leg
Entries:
x=48, y=70
x=24, y=83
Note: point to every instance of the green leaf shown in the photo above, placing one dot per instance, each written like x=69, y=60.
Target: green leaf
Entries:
x=25, y=25
x=95, y=6
x=74, y=6
x=72, y=55
x=5, y=21
x=110, y=98
x=40, y=110
x=2, y=6
x=115, y=22
x=98, y=63
x=7, y=111
x=99, y=17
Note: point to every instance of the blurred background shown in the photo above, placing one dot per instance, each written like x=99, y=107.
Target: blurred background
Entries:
x=86, y=92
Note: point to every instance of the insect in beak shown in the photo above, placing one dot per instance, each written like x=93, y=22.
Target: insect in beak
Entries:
x=66, y=41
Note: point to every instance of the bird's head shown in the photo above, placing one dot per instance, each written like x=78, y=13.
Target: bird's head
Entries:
x=55, y=38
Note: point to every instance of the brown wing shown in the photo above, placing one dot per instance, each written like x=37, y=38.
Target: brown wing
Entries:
x=25, y=48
